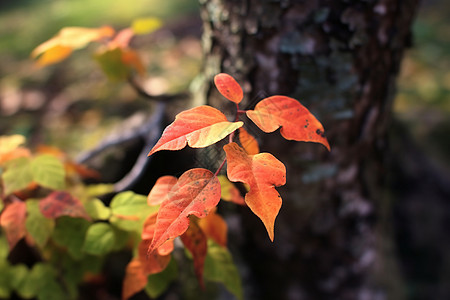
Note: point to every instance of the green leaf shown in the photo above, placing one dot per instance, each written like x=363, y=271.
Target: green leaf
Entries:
x=1, y=202
x=5, y=286
x=145, y=25
x=219, y=267
x=158, y=283
x=39, y=227
x=69, y=233
x=129, y=211
x=100, y=239
x=17, y=175
x=18, y=274
x=97, y=210
x=35, y=280
x=4, y=247
x=48, y=172
x=111, y=63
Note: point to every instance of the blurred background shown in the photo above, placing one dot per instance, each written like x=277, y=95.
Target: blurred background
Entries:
x=68, y=105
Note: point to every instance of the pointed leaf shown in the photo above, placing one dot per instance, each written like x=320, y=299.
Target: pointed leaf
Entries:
x=198, y=127
x=228, y=87
x=215, y=227
x=17, y=175
x=195, y=241
x=152, y=262
x=229, y=191
x=59, y=204
x=262, y=172
x=39, y=227
x=160, y=190
x=295, y=120
x=12, y=220
x=219, y=267
x=100, y=239
x=54, y=55
x=248, y=142
x=48, y=172
x=135, y=279
x=97, y=210
x=196, y=193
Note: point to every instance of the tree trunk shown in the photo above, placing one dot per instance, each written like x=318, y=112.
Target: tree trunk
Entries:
x=340, y=59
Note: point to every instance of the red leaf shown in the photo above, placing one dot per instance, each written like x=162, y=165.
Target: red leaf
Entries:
x=160, y=190
x=152, y=262
x=215, y=227
x=248, y=142
x=262, y=172
x=12, y=220
x=148, y=232
x=195, y=241
x=59, y=204
x=196, y=193
x=135, y=279
x=296, y=122
x=228, y=87
x=199, y=127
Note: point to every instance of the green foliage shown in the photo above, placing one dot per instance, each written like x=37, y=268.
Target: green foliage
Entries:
x=39, y=227
x=97, y=210
x=70, y=233
x=17, y=175
x=158, y=283
x=100, y=239
x=48, y=172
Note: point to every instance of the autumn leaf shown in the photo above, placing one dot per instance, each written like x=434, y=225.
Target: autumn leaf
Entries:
x=196, y=193
x=148, y=231
x=69, y=38
x=296, y=122
x=248, y=142
x=195, y=241
x=10, y=147
x=161, y=189
x=12, y=220
x=145, y=25
x=62, y=204
x=228, y=87
x=135, y=279
x=262, y=172
x=152, y=262
x=198, y=127
x=215, y=228
x=229, y=192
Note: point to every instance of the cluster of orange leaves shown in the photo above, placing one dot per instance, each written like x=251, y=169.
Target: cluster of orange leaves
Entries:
x=188, y=204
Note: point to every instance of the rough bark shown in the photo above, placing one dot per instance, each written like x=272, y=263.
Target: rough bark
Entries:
x=340, y=58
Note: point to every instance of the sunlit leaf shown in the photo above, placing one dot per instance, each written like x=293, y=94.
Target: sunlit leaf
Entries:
x=10, y=147
x=48, y=172
x=196, y=193
x=59, y=204
x=198, y=127
x=39, y=227
x=296, y=122
x=229, y=192
x=215, y=228
x=100, y=239
x=228, y=87
x=248, y=142
x=97, y=210
x=18, y=274
x=148, y=231
x=262, y=172
x=152, y=262
x=12, y=220
x=160, y=190
x=17, y=175
x=195, y=241
x=69, y=38
x=145, y=25
x=219, y=267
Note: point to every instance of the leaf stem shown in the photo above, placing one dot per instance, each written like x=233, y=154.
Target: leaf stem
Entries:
x=221, y=166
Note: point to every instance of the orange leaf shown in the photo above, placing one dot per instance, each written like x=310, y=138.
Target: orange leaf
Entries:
x=196, y=193
x=262, y=172
x=296, y=122
x=54, y=55
x=12, y=220
x=59, y=204
x=195, y=241
x=199, y=127
x=160, y=190
x=228, y=87
x=248, y=142
x=135, y=279
x=215, y=227
x=131, y=58
x=148, y=232
x=153, y=262
x=16, y=153
x=122, y=38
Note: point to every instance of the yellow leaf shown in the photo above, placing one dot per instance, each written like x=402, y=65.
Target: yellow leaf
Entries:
x=11, y=142
x=145, y=25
